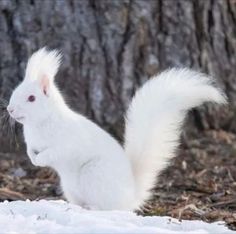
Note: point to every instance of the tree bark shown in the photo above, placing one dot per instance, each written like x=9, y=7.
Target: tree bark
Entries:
x=112, y=47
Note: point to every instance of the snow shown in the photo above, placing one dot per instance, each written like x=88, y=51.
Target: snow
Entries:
x=60, y=217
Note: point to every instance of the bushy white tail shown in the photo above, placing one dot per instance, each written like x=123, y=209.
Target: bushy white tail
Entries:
x=155, y=118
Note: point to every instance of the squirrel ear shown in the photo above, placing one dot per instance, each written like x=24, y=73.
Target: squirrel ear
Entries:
x=44, y=84
x=43, y=62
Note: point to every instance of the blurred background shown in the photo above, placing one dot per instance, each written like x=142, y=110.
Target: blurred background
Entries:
x=110, y=48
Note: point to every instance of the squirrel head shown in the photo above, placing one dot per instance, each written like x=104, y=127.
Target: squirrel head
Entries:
x=31, y=100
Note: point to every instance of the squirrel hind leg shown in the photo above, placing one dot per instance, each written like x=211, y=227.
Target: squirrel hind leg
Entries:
x=71, y=199
x=88, y=207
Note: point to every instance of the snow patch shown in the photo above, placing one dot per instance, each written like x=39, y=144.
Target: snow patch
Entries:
x=60, y=217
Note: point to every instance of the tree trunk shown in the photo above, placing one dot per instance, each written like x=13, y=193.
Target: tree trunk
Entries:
x=111, y=47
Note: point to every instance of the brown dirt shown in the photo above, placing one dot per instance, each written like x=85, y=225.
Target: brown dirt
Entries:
x=201, y=181
x=199, y=184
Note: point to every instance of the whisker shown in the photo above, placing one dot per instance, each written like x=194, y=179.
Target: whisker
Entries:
x=3, y=102
x=8, y=124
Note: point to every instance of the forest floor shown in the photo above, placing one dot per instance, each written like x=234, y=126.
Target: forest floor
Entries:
x=199, y=184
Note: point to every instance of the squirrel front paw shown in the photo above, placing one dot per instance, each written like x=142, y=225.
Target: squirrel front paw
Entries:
x=32, y=155
x=41, y=159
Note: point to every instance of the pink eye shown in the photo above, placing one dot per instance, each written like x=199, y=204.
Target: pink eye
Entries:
x=31, y=98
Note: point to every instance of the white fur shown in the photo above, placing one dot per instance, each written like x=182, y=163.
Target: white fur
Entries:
x=155, y=118
x=95, y=171
x=43, y=62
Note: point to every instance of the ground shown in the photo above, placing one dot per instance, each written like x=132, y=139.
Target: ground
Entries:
x=200, y=183
x=60, y=217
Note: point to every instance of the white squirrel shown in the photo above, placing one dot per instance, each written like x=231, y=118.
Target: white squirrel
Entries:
x=96, y=172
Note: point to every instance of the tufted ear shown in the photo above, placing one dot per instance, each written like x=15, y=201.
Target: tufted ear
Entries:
x=45, y=84
x=44, y=62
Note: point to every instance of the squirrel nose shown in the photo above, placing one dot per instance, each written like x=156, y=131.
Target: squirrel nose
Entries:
x=10, y=109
